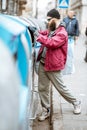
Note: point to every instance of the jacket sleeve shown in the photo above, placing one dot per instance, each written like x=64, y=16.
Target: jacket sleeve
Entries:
x=45, y=32
x=54, y=42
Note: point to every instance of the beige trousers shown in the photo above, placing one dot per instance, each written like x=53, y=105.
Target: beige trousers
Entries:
x=54, y=77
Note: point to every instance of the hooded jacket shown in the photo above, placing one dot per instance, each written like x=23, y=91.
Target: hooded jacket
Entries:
x=56, y=45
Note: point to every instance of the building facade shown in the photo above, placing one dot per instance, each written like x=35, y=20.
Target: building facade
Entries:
x=28, y=11
x=12, y=7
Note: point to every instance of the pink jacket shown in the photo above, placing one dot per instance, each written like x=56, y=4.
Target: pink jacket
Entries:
x=56, y=53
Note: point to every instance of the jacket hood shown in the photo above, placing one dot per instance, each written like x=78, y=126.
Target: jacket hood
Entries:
x=63, y=24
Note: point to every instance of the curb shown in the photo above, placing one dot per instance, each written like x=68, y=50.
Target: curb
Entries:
x=57, y=119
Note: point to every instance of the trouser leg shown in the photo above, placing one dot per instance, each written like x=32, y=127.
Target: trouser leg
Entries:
x=56, y=79
x=43, y=87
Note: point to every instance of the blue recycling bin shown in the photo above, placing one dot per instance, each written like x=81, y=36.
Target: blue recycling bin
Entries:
x=15, y=35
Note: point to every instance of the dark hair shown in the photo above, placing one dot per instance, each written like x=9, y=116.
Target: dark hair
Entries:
x=53, y=13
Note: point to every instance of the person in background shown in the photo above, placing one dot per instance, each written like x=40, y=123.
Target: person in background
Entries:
x=72, y=28
x=52, y=56
x=86, y=45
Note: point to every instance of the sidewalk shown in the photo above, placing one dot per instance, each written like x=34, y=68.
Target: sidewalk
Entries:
x=77, y=82
x=63, y=117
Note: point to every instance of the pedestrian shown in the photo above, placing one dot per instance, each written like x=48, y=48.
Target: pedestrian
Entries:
x=86, y=45
x=52, y=56
x=72, y=28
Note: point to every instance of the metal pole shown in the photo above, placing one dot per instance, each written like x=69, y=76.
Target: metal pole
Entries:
x=56, y=3
x=0, y=5
x=36, y=8
x=7, y=5
x=17, y=7
x=51, y=106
